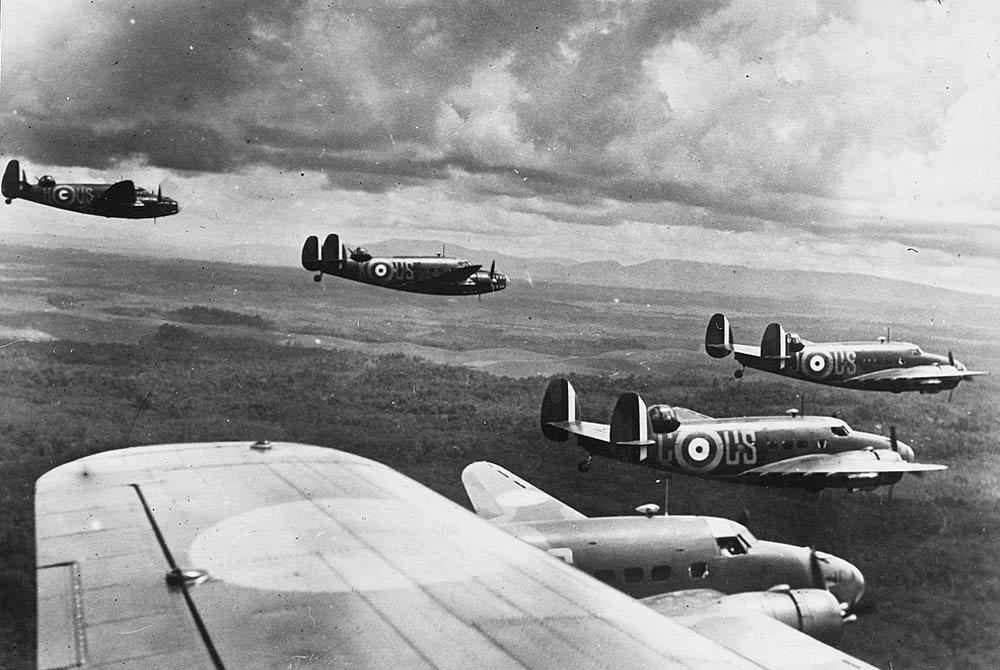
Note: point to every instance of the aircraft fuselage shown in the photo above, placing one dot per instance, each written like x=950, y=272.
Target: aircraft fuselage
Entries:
x=416, y=274
x=660, y=554
x=846, y=364
x=727, y=448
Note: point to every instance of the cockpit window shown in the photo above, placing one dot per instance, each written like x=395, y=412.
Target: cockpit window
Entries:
x=840, y=431
x=732, y=545
x=916, y=352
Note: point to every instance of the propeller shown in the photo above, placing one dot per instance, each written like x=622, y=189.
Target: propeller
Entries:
x=893, y=441
x=951, y=358
x=816, y=576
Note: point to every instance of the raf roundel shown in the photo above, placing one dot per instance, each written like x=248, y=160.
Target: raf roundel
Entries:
x=380, y=270
x=64, y=194
x=699, y=451
x=817, y=365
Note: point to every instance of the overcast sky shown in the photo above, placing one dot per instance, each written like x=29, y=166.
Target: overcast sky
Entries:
x=846, y=136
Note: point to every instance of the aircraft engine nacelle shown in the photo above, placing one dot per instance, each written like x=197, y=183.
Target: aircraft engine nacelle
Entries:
x=814, y=612
x=663, y=419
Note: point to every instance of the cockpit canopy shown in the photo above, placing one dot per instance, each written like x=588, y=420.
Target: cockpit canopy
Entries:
x=47, y=181
x=360, y=255
x=731, y=537
x=663, y=419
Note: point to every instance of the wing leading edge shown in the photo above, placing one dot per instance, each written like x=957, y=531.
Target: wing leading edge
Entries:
x=315, y=557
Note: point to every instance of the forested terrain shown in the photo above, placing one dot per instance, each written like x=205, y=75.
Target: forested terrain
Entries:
x=135, y=362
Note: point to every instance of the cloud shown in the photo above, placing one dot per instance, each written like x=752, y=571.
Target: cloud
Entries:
x=809, y=119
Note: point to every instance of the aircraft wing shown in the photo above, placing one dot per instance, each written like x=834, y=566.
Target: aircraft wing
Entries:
x=118, y=194
x=227, y=555
x=760, y=638
x=858, y=462
x=918, y=373
x=453, y=276
x=500, y=496
x=595, y=431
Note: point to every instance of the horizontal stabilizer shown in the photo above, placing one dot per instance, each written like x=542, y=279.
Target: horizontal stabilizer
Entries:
x=497, y=494
x=559, y=405
x=630, y=421
x=719, y=337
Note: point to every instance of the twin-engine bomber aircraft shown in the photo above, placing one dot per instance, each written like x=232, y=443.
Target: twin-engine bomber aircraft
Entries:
x=810, y=452
x=869, y=366
x=232, y=555
x=436, y=275
x=121, y=200
x=655, y=554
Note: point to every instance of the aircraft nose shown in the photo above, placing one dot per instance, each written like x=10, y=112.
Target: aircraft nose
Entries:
x=843, y=579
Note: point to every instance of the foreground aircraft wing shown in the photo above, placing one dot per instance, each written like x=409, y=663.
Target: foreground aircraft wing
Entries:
x=277, y=555
x=713, y=614
x=497, y=494
x=118, y=194
x=844, y=463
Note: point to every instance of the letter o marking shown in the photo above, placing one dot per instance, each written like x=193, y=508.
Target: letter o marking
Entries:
x=64, y=194
x=699, y=451
x=817, y=365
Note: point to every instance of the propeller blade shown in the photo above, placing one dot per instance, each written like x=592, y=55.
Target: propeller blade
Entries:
x=893, y=442
x=493, y=268
x=951, y=358
x=159, y=193
x=816, y=575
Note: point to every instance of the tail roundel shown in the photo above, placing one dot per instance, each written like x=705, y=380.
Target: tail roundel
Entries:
x=559, y=405
x=719, y=337
x=11, y=187
x=630, y=421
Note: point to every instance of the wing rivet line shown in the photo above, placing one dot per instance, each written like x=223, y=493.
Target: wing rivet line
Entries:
x=181, y=581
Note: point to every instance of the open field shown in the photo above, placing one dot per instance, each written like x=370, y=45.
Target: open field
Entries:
x=100, y=352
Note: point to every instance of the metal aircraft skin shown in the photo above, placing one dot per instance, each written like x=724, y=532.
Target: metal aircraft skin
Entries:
x=869, y=366
x=435, y=275
x=654, y=554
x=260, y=556
x=122, y=199
x=810, y=452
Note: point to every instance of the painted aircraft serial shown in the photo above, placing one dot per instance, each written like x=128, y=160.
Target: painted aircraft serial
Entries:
x=811, y=452
x=437, y=275
x=232, y=555
x=870, y=366
x=122, y=199
x=653, y=554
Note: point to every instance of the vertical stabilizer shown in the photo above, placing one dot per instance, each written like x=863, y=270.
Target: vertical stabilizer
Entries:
x=719, y=337
x=774, y=344
x=333, y=250
x=12, y=180
x=559, y=405
x=630, y=421
x=310, y=253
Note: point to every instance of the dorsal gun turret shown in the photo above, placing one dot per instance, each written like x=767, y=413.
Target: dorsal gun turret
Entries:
x=663, y=419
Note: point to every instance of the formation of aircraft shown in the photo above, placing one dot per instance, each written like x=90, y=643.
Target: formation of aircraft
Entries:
x=238, y=555
x=869, y=366
x=122, y=199
x=811, y=452
x=654, y=554
x=437, y=275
